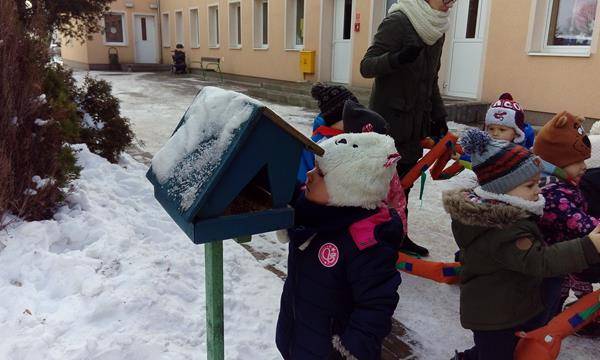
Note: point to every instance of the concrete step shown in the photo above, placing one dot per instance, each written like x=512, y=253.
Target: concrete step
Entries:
x=145, y=67
x=466, y=111
x=283, y=97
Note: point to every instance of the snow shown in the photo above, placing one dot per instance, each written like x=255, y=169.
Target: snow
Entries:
x=89, y=122
x=40, y=122
x=595, y=128
x=196, y=148
x=30, y=192
x=112, y=277
x=41, y=183
x=594, y=161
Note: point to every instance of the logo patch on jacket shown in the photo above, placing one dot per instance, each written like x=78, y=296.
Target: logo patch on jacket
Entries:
x=329, y=255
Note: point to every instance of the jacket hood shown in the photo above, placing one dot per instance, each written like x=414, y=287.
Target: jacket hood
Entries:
x=478, y=215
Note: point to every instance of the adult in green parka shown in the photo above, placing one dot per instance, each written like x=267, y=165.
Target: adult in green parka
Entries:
x=404, y=59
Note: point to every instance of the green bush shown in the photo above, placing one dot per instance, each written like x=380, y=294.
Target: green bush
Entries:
x=104, y=130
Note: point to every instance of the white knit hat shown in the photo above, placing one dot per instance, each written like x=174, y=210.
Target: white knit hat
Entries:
x=358, y=168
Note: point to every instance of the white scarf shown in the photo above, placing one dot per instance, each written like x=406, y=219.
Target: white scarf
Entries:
x=429, y=23
x=534, y=207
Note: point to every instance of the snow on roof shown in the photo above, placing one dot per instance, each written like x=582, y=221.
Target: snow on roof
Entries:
x=195, y=150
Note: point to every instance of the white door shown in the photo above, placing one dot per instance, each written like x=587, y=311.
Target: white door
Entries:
x=145, y=40
x=466, y=58
x=342, y=41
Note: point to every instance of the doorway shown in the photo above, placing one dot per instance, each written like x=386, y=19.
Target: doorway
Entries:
x=145, y=39
x=342, y=41
x=469, y=27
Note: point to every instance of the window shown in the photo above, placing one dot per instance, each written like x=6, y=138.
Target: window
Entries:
x=213, y=26
x=261, y=24
x=472, y=19
x=194, y=28
x=347, y=20
x=235, y=25
x=114, y=28
x=179, y=27
x=164, y=26
x=294, y=24
x=571, y=22
x=564, y=27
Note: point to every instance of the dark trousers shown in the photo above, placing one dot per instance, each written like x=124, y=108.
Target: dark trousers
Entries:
x=501, y=344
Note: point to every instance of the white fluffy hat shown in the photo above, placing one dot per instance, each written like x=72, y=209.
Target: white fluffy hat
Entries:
x=358, y=168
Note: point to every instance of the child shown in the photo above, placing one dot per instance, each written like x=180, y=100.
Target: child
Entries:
x=331, y=101
x=504, y=260
x=505, y=120
x=179, y=64
x=590, y=183
x=341, y=289
x=563, y=143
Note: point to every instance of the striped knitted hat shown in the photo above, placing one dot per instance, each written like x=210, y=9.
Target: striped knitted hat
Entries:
x=500, y=166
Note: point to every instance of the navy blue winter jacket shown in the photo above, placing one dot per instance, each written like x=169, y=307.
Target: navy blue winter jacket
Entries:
x=334, y=289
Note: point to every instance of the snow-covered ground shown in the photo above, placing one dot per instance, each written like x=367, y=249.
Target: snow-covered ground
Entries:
x=112, y=277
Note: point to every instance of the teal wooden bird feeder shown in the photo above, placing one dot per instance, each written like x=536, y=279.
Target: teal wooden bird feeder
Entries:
x=228, y=171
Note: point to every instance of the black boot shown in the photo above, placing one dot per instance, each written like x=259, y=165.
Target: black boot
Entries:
x=458, y=356
x=409, y=247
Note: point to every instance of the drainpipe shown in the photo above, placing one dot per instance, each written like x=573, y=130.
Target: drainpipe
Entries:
x=160, y=37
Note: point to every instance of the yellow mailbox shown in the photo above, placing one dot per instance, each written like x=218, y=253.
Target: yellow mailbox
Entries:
x=307, y=62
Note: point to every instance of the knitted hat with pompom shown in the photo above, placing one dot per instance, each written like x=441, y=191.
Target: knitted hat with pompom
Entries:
x=500, y=166
x=507, y=112
x=331, y=100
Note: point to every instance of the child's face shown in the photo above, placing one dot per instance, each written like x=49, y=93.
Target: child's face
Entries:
x=316, y=188
x=501, y=132
x=529, y=190
x=576, y=171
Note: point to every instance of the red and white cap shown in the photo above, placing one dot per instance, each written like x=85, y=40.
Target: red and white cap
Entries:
x=507, y=112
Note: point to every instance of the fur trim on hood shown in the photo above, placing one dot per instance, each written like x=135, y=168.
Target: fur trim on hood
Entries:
x=464, y=206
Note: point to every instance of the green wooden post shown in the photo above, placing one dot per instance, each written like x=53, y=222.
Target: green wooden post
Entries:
x=213, y=267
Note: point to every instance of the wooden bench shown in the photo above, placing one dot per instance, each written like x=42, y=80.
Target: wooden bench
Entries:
x=210, y=64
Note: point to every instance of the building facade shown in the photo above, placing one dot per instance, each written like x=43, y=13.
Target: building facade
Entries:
x=542, y=51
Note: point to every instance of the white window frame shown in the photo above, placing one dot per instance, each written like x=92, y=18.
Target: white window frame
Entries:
x=290, y=26
x=213, y=29
x=235, y=24
x=194, y=43
x=179, y=35
x=258, y=24
x=539, y=32
x=125, y=34
x=165, y=29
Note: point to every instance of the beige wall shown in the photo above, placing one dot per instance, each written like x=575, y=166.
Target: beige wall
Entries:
x=74, y=51
x=361, y=40
x=277, y=62
x=95, y=52
x=547, y=84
